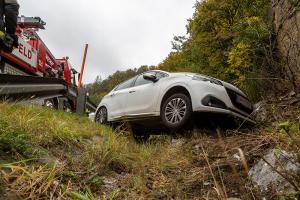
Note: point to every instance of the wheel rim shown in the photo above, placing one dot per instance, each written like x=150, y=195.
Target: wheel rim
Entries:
x=68, y=110
x=49, y=104
x=175, y=111
x=102, y=115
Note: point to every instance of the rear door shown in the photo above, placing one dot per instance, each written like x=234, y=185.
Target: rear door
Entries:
x=115, y=99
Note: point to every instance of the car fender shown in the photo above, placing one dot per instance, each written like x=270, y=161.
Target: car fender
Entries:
x=102, y=103
x=165, y=89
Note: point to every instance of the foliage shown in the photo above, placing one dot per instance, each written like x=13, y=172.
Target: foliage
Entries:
x=228, y=39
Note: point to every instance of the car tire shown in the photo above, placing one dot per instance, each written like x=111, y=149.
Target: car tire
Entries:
x=176, y=111
x=101, y=116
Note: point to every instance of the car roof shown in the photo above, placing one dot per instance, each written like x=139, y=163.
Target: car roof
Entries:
x=156, y=70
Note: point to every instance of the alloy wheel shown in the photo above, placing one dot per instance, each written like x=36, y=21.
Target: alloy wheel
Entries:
x=103, y=116
x=175, y=110
x=49, y=104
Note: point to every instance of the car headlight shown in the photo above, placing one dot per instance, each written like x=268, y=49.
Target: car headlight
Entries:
x=206, y=79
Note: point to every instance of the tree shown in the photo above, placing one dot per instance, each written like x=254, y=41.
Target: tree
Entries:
x=227, y=39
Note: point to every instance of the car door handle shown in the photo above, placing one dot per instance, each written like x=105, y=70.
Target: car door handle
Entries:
x=112, y=95
x=132, y=92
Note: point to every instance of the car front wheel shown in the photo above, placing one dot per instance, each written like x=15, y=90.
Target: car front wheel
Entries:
x=176, y=111
x=101, y=116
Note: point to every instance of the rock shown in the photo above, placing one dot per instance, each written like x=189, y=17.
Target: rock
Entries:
x=94, y=140
x=265, y=176
x=260, y=112
x=237, y=157
x=197, y=147
x=292, y=94
x=177, y=142
x=9, y=195
x=109, y=182
x=207, y=183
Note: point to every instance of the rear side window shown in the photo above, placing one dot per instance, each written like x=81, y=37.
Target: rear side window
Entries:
x=126, y=84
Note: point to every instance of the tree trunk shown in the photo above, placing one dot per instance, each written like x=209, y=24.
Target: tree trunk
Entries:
x=287, y=28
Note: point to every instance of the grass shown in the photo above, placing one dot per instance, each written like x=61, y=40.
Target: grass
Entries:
x=46, y=154
x=68, y=154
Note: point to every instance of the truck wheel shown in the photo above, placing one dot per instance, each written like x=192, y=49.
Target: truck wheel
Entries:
x=68, y=107
x=49, y=103
x=101, y=116
x=176, y=111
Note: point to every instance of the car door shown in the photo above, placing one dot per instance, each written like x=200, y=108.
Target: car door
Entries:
x=116, y=97
x=142, y=98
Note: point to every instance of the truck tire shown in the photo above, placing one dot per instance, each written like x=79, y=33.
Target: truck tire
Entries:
x=68, y=107
x=49, y=103
x=176, y=111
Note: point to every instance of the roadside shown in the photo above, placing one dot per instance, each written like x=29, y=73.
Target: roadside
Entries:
x=59, y=155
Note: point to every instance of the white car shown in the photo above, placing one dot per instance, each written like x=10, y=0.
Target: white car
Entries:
x=172, y=97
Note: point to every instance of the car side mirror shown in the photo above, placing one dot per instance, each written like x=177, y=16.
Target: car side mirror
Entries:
x=150, y=77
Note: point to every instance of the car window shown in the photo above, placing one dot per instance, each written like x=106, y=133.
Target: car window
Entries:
x=126, y=84
x=141, y=81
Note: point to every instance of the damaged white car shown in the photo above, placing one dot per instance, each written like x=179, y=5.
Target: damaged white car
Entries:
x=172, y=98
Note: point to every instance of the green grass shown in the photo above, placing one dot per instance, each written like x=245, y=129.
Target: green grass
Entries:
x=47, y=154
x=68, y=151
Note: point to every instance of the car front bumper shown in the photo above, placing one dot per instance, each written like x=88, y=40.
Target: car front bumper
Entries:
x=208, y=97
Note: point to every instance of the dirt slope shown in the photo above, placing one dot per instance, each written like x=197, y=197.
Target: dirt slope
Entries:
x=46, y=154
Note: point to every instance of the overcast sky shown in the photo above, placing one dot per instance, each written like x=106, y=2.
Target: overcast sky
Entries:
x=122, y=34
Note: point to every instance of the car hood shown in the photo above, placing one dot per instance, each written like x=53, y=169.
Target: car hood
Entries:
x=226, y=85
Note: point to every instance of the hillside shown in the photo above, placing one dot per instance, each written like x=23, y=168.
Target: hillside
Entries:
x=47, y=154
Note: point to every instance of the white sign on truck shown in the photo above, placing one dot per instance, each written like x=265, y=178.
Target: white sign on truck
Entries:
x=26, y=53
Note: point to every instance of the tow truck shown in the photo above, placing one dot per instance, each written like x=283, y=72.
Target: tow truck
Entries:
x=32, y=73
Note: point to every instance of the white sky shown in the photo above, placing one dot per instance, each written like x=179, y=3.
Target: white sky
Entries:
x=122, y=34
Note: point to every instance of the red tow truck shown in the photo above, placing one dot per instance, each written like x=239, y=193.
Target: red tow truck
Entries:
x=32, y=72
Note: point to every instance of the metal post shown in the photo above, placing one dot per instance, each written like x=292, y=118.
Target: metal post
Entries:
x=81, y=101
x=83, y=65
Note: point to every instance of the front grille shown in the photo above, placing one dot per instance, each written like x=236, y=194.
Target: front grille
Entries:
x=234, y=96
